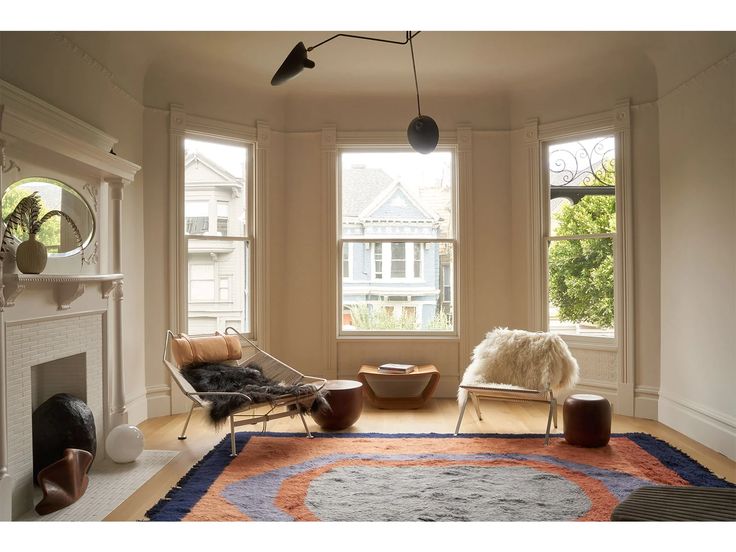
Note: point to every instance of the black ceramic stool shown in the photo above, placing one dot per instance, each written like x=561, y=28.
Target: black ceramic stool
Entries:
x=587, y=420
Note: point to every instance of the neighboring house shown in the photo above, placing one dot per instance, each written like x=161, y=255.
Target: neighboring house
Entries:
x=404, y=278
x=214, y=206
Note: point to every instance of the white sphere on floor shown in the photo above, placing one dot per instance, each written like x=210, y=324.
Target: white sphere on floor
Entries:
x=124, y=443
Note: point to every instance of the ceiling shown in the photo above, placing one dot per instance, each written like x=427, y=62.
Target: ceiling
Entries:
x=467, y=62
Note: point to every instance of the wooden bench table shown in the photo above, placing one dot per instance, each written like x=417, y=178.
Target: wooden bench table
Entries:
x=426, y=374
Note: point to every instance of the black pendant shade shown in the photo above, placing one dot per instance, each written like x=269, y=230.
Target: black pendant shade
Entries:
x=423, y=134
x=293, y=65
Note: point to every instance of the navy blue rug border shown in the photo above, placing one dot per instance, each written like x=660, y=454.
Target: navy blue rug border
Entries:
x=191, y=488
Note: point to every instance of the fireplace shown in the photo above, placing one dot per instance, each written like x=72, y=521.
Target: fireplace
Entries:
x=60, y=331
x=45, y=357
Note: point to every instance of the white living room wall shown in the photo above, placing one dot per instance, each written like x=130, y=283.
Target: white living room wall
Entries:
x=51, y=67
x=697, y=142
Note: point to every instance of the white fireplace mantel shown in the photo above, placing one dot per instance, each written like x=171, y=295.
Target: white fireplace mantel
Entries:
x=66, y=288
x=36, y=136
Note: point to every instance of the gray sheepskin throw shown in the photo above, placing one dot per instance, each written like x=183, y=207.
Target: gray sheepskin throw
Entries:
x=248, y=380
x=533, y=360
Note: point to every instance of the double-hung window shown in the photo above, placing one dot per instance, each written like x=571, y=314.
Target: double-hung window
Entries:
x=580, y=178
x=397, y=240
x=217, y=234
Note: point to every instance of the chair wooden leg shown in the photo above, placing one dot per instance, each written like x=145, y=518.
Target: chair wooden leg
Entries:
x=232, y=437
x=186, y=424
x=462, y=411
x=549, y=421
x=306, y=428
x=476, y=402
x=554, y=412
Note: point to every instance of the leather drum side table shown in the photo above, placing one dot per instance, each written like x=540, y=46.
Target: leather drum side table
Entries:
x=345, y=398
x=587, y=420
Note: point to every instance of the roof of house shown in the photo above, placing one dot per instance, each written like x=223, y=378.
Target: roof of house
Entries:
x=215, y=173
x=360, y=186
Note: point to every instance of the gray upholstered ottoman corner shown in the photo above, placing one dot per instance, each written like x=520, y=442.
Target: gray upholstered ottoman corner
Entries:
x=672, y=503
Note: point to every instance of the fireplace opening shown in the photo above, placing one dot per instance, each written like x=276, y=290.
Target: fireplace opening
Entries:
x=61, y=418
x=63, y=375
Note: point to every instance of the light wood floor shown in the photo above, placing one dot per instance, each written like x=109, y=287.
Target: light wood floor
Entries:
x=439, y=416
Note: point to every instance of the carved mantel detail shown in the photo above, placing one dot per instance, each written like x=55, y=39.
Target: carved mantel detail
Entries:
x=66, y=288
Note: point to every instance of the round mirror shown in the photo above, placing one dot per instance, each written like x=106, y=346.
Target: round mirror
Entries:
x=55, y=233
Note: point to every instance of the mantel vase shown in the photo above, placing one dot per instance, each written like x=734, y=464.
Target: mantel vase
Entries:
x=31, y=256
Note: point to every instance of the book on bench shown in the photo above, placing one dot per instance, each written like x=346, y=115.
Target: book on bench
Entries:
x=397, y=368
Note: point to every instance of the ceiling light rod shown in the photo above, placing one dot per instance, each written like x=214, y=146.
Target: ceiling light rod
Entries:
x=414, y=66
x=408, y=38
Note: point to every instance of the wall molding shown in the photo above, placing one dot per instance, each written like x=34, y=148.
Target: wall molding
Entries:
x=713, y=429
x=137, y=409
x=700, y=409
x=158, y=399
x=697, y=77
x=28, y=118
x=97, y=65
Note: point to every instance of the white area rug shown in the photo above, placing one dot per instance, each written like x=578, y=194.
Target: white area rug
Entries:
x=109, y=485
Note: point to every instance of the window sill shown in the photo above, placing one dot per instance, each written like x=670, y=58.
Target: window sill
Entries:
x=344, y=338
x=590, y=343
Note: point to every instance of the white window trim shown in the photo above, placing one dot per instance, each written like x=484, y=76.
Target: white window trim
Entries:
x=617, y=123
x=388, y=142
x=257, y=139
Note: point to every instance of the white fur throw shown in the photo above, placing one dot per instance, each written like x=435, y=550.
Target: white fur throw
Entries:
x=533, y=360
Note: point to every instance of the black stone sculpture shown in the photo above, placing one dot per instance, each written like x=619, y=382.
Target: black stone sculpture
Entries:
x=62, y=422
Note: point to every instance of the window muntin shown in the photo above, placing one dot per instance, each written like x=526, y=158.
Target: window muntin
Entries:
x=581, y=240
x=216, y=192
x=397, y=213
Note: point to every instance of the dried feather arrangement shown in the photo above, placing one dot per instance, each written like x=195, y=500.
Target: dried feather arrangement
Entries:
x=26, y=215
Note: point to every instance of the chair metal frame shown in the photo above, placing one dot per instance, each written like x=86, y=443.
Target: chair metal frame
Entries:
x=272, y=368
x=508, y=393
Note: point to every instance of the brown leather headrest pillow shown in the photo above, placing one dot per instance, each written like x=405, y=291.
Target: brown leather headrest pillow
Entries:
x=210, y=349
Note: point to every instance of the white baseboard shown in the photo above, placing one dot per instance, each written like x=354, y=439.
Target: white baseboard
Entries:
x=646, y=400
x=158, y=398
x=713, y=429
x=646, y=407
x=137, y=410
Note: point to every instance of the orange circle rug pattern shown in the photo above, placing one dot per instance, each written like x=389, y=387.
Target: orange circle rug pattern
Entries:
x=423, y=477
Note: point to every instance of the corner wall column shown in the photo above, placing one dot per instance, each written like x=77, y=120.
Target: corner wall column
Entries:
x=118, y=414
x=6, y=482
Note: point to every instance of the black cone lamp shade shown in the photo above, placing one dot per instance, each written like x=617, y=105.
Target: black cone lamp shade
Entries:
x=423, y=134
x=293, y=65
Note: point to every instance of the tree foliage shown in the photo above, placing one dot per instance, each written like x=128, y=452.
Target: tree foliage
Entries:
x=581, y=271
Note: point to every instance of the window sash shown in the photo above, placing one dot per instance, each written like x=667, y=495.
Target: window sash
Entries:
x=378, y=244
x=380, y=273
x=215, y=219
x=548, y=238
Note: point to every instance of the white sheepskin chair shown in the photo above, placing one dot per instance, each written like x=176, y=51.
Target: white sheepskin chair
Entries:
x=518, y=365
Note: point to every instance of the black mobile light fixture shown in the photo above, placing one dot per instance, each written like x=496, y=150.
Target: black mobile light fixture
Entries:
x=422, y=133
